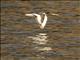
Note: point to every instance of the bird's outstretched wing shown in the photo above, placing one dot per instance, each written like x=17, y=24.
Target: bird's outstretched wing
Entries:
x=38, y=17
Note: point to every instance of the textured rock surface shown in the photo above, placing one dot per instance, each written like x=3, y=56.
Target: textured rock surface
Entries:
x=62, y=33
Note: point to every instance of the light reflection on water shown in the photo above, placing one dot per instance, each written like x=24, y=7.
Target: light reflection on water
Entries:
x=40, y=39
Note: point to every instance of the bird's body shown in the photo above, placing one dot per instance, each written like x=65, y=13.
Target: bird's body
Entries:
x=44, y=21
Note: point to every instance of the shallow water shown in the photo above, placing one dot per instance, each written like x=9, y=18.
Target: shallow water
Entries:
x=22, y=39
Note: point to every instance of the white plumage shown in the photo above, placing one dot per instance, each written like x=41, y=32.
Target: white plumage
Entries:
x=44, y=21
x=38, y=17
x=55, y=14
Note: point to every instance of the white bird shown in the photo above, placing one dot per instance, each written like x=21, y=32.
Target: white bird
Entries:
x=38, y=18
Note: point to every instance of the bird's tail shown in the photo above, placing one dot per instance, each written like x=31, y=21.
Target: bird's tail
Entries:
x=42, y=27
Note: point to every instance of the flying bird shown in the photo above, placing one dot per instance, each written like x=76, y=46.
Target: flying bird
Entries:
x=39, y=19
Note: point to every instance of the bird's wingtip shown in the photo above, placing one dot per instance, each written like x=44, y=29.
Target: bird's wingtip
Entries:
x=28, y=14
x=56, y=14
x=25, y=14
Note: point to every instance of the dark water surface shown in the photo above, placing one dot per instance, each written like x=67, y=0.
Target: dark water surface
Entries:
x=22, y=39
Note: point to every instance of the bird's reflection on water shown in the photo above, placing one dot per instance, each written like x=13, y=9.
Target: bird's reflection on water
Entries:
x=40, y=39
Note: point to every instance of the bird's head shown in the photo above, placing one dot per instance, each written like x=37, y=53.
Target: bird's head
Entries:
x=43, y=13
x=46, y=13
